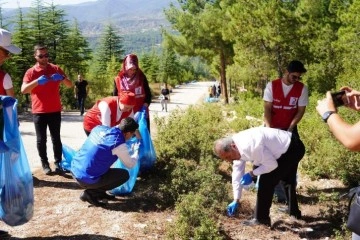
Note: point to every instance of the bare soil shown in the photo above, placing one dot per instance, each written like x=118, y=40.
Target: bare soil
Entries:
x=60, y=214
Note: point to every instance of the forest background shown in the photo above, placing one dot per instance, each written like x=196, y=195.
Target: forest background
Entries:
x=243, y=44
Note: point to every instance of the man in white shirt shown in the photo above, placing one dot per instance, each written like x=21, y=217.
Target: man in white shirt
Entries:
x=276, y=153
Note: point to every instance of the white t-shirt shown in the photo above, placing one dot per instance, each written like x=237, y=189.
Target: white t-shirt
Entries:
x=123, y=154
x=303, y=100
x=7, y=83
x=106, y=113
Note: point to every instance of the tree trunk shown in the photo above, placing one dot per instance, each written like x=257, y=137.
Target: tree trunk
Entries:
x=223, y=77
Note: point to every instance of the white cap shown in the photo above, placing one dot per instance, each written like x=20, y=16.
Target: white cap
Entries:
x=5, y=42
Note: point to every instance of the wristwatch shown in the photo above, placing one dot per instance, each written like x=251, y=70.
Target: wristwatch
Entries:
x=326, y=115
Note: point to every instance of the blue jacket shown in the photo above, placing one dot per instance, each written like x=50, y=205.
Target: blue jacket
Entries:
x=95, y=156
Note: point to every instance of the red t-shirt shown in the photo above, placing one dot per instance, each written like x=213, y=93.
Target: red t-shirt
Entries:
x=44, y=98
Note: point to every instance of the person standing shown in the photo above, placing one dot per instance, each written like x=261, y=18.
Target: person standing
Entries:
x=347, y=134
x=285, y=101
x=276, y=153
x=6, y=85
x=109, y=111
x=81, y=91
x=91, y=165
x=42, y=81
x=131, y=78
x=165, y=97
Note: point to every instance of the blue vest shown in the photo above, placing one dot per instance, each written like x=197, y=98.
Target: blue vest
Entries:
x=95, y=156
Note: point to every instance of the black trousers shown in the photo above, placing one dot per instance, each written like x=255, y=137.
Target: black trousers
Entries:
x=286, y=171
x=53, y=121
x=81, y=103
x=113, y=178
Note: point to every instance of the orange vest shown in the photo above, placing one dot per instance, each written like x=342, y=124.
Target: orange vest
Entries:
x=93, y=116
x=284, y=109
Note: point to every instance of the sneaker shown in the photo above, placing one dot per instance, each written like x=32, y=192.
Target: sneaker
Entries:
x=4, y=234
x=47, y=170
x=256, y=222
x=107, y=196
x=284, y=209
x=296, y=214
x=86, y=197
x=59, y=169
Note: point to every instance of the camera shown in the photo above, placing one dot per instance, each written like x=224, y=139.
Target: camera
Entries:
x=339, y=98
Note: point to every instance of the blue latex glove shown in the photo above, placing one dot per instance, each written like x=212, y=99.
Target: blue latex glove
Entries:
x=246, y=179
x=42, y=80
x=231, y=208
x=57, y=77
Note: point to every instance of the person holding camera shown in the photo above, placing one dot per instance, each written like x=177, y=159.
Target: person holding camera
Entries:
x=347, y=134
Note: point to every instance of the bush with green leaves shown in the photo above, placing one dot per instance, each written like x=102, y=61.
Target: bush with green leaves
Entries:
x=196, y=219
x=190, y=171
x=325, y=156
x=190, y=134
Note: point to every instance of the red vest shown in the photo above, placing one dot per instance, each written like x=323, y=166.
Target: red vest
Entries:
x=137, y=89
x=2, y=89
x=93, y=116
x=284, y=109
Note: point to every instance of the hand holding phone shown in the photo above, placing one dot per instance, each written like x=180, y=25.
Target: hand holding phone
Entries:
x=340, y=98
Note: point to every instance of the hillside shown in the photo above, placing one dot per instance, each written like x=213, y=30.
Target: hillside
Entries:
x=139, y=21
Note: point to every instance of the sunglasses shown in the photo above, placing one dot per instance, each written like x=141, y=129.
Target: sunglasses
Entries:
x=41, y=56
x=294, y=77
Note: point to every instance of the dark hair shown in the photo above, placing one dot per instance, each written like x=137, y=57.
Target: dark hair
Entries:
x=296, y=66
x=39, y=47
x=128, y=125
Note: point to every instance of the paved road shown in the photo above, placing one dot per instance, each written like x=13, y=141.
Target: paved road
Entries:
x=72, y=133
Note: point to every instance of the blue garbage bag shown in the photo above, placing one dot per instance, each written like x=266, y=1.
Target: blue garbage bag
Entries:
x=128, y=186
x=16, y=182
x=68, y=154
x=147, y=154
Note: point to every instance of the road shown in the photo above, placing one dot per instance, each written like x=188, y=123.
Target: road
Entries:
x=73, y=135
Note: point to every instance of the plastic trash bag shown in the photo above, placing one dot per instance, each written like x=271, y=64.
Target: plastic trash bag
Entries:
x=128, y=186
x=147, y=154
x=16, y=182
x=68, y=154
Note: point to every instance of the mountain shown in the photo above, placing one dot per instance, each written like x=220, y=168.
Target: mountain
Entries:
x=139, y=21
x=130, y=16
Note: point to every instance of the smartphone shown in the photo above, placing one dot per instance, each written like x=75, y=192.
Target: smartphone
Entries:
x=339, y=98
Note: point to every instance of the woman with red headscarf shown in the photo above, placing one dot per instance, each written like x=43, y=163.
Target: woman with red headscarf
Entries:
x=131, y=78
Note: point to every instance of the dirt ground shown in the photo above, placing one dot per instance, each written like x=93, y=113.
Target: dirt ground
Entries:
x=60, y=214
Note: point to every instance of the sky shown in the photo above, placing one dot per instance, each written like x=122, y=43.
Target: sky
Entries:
x=27, y=3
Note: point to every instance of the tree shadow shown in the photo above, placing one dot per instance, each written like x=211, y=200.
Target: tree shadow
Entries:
x=56, y=184
x=314, y=228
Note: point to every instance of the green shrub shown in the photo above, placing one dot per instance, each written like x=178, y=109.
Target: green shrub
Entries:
x=195, y=220
x=189, y=134
x=325, y=156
